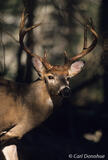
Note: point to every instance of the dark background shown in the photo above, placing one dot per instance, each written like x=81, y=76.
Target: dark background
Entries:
x=87, y=110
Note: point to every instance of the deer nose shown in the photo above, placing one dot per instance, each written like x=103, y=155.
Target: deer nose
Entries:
x=65, y=92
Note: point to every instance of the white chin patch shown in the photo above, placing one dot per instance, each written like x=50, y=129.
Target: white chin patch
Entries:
x=10, y=152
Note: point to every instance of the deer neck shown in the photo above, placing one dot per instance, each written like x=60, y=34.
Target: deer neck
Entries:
x=39, y=93
x=43, y=95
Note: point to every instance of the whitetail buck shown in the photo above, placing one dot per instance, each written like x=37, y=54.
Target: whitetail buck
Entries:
x=25, y=106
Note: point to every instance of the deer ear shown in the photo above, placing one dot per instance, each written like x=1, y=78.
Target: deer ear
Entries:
x=75, y=68
x=38, y=65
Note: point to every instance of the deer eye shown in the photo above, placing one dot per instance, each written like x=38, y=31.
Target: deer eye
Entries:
x=51, y=77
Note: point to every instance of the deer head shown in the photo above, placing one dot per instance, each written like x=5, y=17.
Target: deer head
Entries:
x=57, y=77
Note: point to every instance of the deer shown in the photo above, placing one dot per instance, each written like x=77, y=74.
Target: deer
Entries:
x=25, y=106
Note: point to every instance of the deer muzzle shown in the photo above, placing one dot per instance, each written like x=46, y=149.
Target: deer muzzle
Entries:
x=65, y=92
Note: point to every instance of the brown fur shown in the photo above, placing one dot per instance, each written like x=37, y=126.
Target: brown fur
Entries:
x=24, y=106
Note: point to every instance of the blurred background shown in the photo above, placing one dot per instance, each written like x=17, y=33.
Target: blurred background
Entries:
x=80, y=125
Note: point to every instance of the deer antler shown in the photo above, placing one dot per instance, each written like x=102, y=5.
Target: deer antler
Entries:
x=22, y=33
x=86, y=49
x=68, y=60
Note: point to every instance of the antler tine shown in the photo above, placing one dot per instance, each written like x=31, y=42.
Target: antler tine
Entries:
x=66, y=58
x=23, y=19
x=45, y=55
x=23, y=31
x=45, y=62
x=86, y=49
